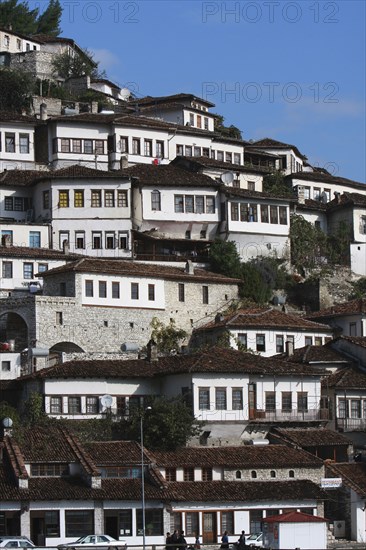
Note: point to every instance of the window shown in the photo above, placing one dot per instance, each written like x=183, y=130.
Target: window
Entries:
x=252, y=213
x=189, y=204
x=19, y=44
x=122, y=241
x=204, y=399
x=234, y=211
x=236, y=158
x=34, y=239
x=210, y=205
x=205, y=122
x=308, y=341
x=48, y=470
x=153, y=521
x=65, y=145
x=229, y=157
x=79, y=239
x=96, y=199
x=96, y=240
x=76, y=145
x=227, y=522
x=273, y=214
x=291, y=473
x=253, y=474
x=125, y=522
x=220, y=156
x=56, y=404
x=46, y=199
x=109, y=199
x=79, y=198
x=102, y=289
x=342, y=408
x=179, y=150
x=221, y=404
x=206, y=474
x=261, y=342
x=273, y=473
x=270, y=400
x=181, y=292
x=242, y=339
x=8, y=205
x=88, y=146
x=188, y=151
x=286, y=401
x=171, y=474
x=206, y=152
x=237, y=399
x=178, y=203
x=89, y=292
x=9, y=143
x=151, y=293
x=59, y=318
x=200, y=205
x=264, y=213
x=7, y=271
x=123, y=142
x=238, y=474
x=5, y=366
x=136, y=146
x=109, y=241
x=115, y=290
x=318, y=340
x=6, y=237
x=155, y=200
x=205, y=294
x=134, y=291
x=188, y=474
x=27, y=270
x=191, y=119
x=64, y=238
x=302, y=401
x=74, y=405
x=203, y=234
x=63, y=199
x=79, y=523
x=355, y=408
x=199, y=121
x=122, y=199
x=99, y=147
x=192, y=524
x=188, y=234
x=283, y=215
x=24, y=143
x=196, y=151
x=160, y=149
x=92, y=404
x=280, y=348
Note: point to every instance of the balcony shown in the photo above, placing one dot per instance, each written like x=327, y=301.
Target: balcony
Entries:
x=288, y=416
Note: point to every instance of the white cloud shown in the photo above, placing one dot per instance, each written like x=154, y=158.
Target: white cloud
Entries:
x=106, y=58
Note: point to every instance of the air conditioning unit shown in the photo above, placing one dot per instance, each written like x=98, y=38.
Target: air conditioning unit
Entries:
x=339, y=530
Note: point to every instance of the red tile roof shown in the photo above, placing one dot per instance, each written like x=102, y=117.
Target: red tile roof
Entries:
x=139, y=269
x=353, y=475
x=352, y=307
x=347, y=378
x=311, y=437
x=315, y=354
x=274, y=144
x=206, y=162
x=168, y=175
x=38, y=253
x=326, y=178
x=295, y=517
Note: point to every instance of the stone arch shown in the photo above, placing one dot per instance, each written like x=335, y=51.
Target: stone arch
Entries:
x=14, y=327
x=66, y=347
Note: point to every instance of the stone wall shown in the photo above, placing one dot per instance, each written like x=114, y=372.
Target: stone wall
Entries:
x=282, y=474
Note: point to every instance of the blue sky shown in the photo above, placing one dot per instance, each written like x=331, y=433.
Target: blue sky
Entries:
x=290, y=70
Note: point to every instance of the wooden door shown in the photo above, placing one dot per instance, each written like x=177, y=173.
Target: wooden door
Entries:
x=252, y=400
x=209, y=527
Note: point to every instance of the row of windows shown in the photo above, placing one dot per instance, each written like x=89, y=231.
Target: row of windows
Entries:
x=90, y=404
x=198, y=121
x=249, y=213
x=18, y=42
x=78, y=146
x=34, y=238
x=109, y=241
x=12, y=144
x=196, y=204
x=260, y=341
x=98, y=199
x=147, y=149
x=188, y=474
x=286, y=401
x=17, y=204
x=351, y=408
x=29, y=268
x=196, y=151
x=113, y=290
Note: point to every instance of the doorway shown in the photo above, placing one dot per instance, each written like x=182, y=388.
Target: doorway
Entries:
x=209, y=534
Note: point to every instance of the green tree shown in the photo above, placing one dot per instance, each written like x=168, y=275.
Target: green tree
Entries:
x=7, y=411
x=338, y=244
x=33, y=411
x=83, y=64
x=168, y=338
x=17, y=16
x=276, y=185
x=254, y=286
x=227, y=131
x=308, y=243
x=49, y=21
x=167, y=426
x=359, y=289
x=16, y=90
x=224, y=258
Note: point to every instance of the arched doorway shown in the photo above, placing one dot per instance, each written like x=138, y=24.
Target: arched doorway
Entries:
x=13, y=327
x=62, y=347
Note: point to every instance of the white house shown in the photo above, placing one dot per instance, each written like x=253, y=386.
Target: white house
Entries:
x=348, y=319
x=14, y=42
x=322, y=186
x=263, y=330
x=290, y=158
x=295, y=530
x=17, y=142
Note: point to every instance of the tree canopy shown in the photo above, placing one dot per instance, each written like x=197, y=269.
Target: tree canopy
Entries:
x=20, y=18
x=168, y=338
x=16, y=90
x=67, y=66
x=227, y=131
x=224, y=258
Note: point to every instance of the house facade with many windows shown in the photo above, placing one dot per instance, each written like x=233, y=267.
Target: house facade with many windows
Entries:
x=17, y=142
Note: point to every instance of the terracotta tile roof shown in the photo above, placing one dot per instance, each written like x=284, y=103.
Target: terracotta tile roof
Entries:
x=311, y=437
x=311, y=204
x=347, y=378
x=357, y=340
x=139, y=269
x=246, y=456
x=20, y=178
x=205, y=162
x=352, y=307
x=274, y=144
x=7, y=116
x=115, y=452
x=315, y=354
x=16, y=458
x=168, y=175
x=266, y=318
x=81, y=454
x=348, y=199
x=237, y=192
x=353, y=475
x=38, y=253
x=216, y=360
x=326, y=178
x=152, y=100
x=229, y=491
x=47, y=444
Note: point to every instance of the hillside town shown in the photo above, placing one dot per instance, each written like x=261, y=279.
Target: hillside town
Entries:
x=109, y=214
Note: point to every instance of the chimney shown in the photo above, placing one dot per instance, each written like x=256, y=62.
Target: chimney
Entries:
x=43, y=111
x=124, y=162
x=337, y=197
x=66, y=247
x=289, y=348
x=300, y=194
x=152, y=351
x=219, y=317
x=189, y=267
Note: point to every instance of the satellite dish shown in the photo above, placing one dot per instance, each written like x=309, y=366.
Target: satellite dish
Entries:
x=106, y=401
x=227, y=177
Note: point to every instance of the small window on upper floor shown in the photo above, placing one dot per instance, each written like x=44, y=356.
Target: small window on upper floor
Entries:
x=238, y=474
x=253, y=474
